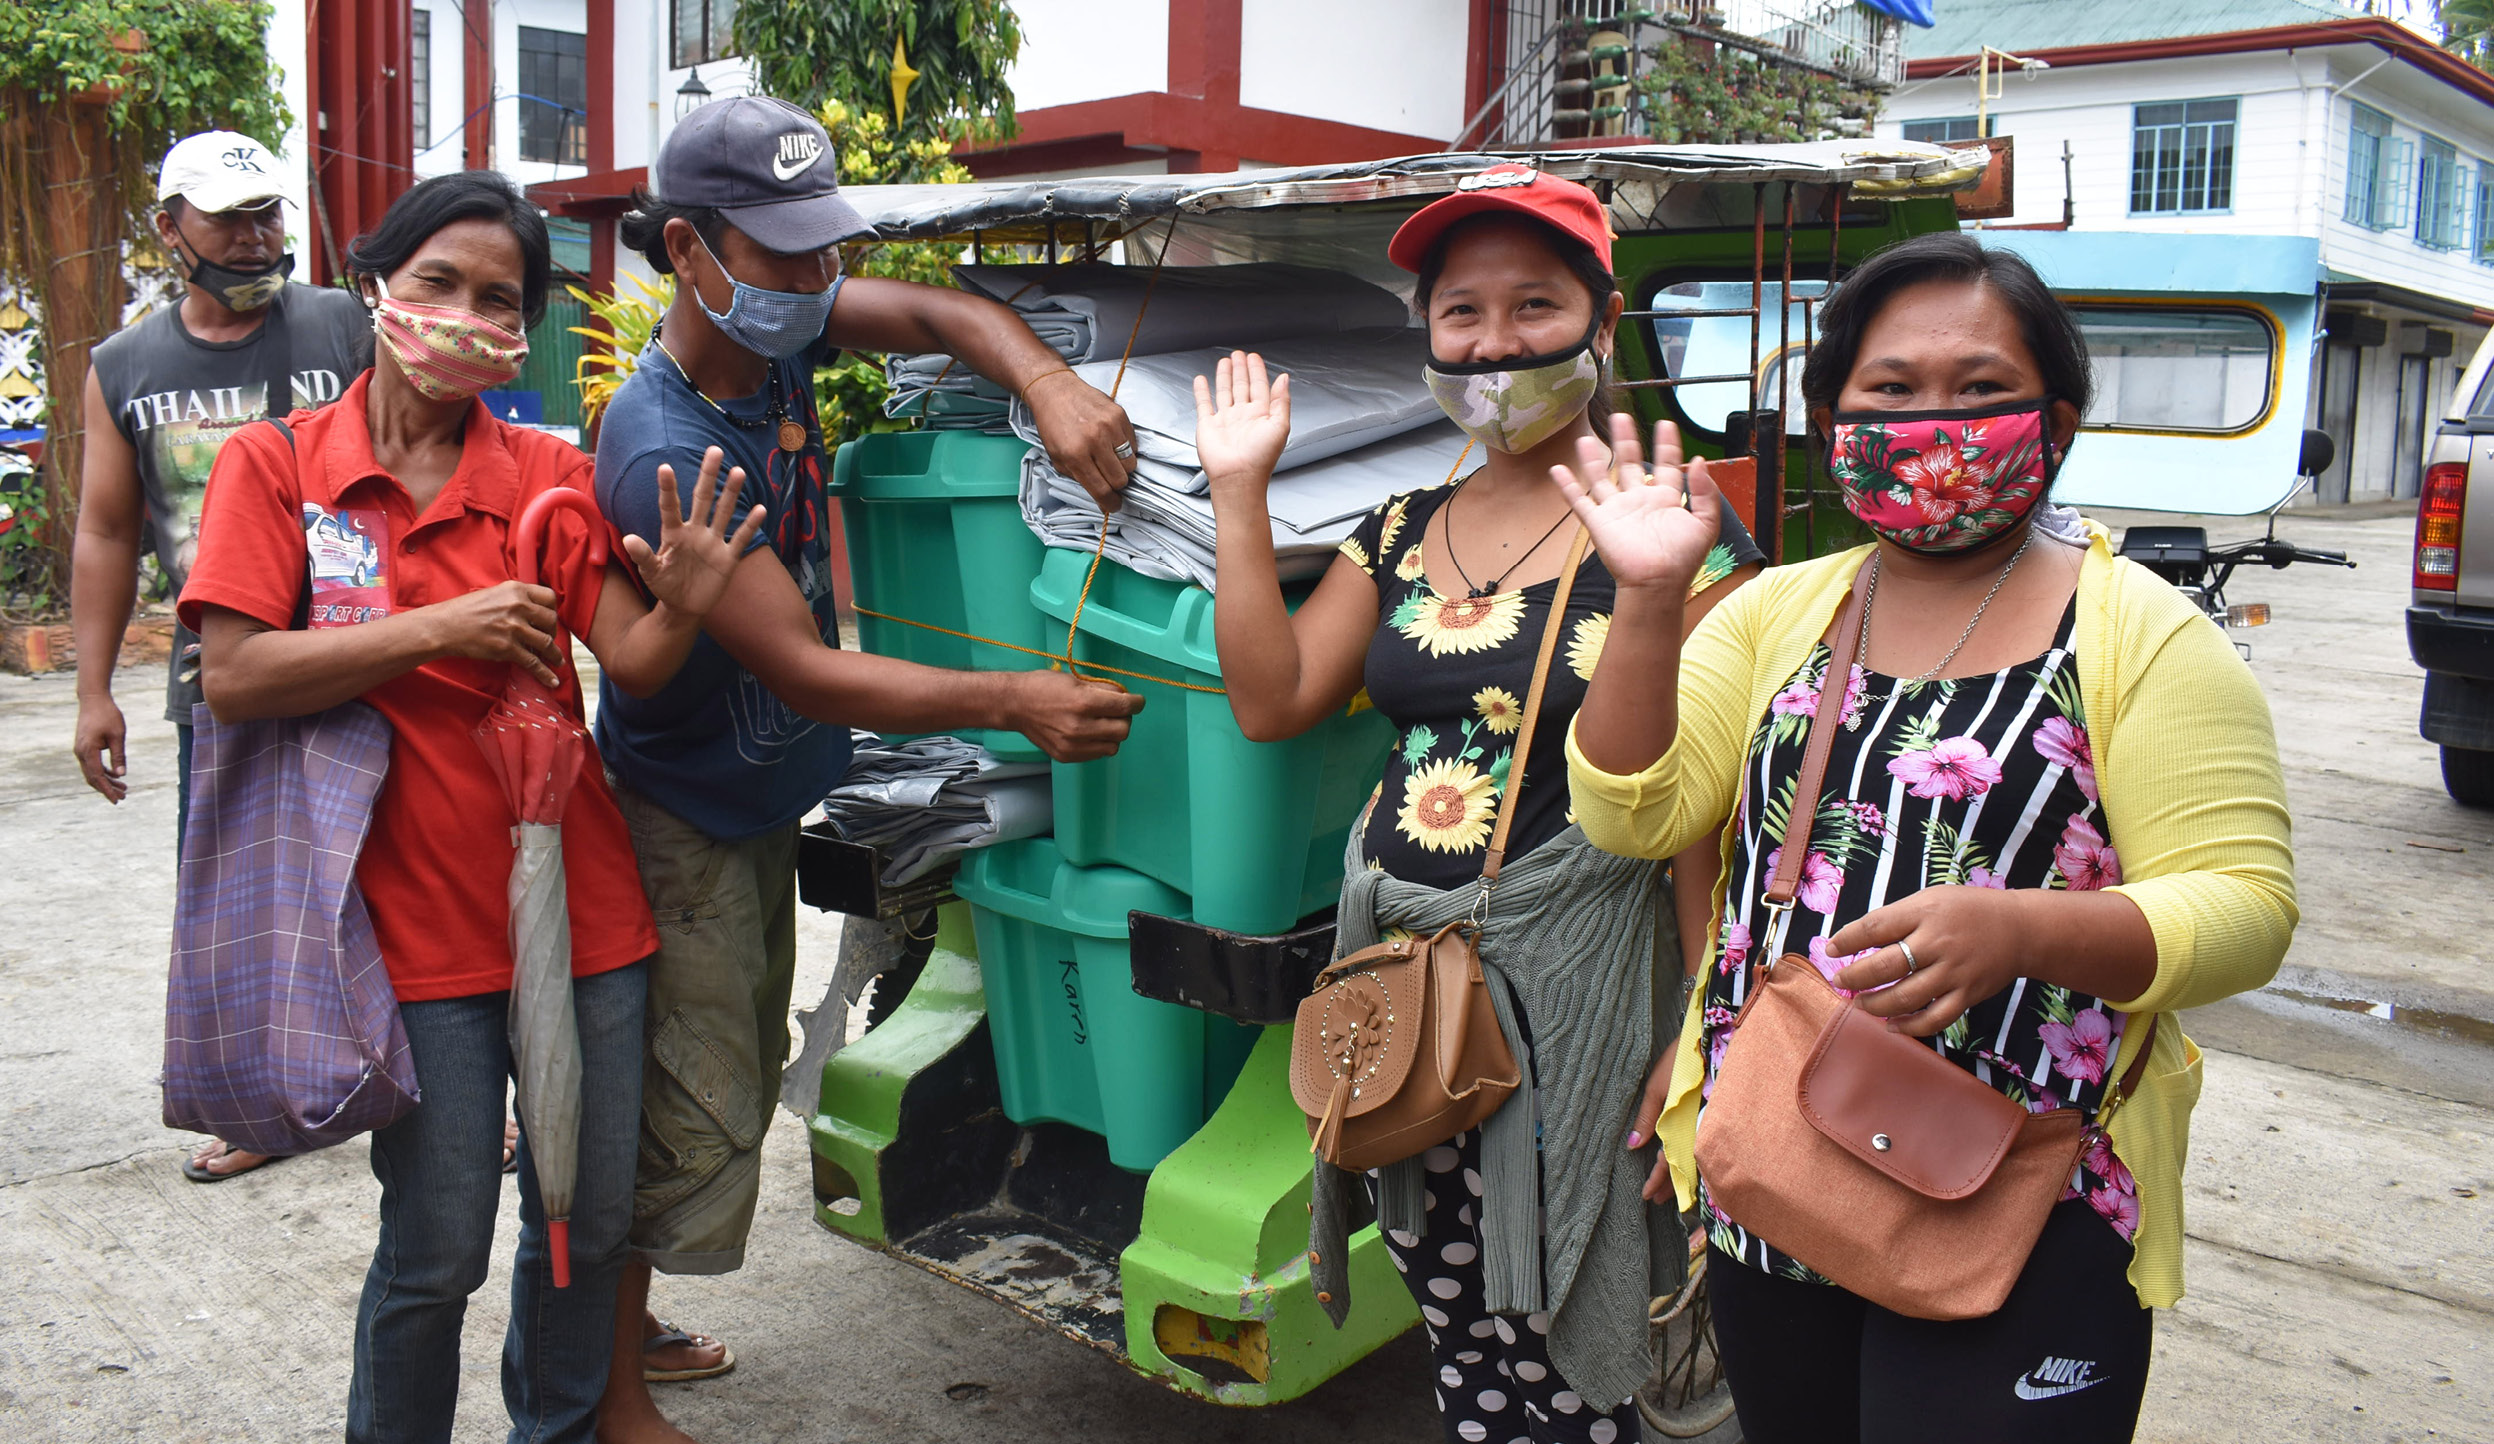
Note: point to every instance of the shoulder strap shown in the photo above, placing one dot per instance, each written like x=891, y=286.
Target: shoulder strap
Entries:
x=277, y=359
x=1844, y=644
x=1496, y=857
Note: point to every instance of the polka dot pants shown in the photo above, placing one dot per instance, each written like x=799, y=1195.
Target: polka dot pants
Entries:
x=1495, y=1384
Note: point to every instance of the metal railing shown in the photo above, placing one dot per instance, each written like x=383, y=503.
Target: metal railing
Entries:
x=1559, y=83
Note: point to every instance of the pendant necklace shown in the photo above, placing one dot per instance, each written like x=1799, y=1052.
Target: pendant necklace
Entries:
x=1490, y=588
x=791, y=432
x=1870, y=595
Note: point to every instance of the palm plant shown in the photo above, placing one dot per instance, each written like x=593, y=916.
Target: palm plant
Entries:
x=629, y=321
x=2468, y=30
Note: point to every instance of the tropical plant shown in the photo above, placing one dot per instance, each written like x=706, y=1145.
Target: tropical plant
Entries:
x=92, y=92
x=810, y=51
x=1731, y=97
x=630, y=321
x=2468, y=30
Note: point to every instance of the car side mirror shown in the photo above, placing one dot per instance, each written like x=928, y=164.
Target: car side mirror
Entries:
x=2318, y=452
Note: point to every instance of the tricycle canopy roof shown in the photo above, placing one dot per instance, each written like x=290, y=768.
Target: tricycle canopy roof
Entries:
x=1641, y=176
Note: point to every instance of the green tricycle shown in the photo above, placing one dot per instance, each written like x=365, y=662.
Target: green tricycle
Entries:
x=1079, y=1104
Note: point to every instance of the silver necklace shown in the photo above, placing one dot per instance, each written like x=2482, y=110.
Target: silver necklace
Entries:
x=1870, y=596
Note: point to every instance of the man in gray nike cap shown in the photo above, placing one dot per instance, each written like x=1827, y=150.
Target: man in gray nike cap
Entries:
x=714, y=771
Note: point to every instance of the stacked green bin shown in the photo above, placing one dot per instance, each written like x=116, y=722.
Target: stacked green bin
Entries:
x=936, y=536
x=1251, y=832
x=1074, y=1042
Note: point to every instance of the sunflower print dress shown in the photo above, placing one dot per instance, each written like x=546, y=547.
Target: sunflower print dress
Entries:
x=1451, y=674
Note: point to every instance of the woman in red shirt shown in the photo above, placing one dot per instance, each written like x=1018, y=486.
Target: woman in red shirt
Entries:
x=372, y=560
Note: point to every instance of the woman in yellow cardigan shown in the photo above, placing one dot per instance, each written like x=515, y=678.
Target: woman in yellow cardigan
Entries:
x=2054, y=805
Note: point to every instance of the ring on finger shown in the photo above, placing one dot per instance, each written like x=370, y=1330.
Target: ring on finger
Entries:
x=1125, y=451
x=1911, y=964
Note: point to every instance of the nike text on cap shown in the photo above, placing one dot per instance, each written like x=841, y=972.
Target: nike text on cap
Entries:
x=219, y=170
x=1514, y=189
x=765, y=163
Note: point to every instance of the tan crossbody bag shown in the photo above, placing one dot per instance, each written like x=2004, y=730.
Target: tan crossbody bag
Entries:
x=1863, y=1153
x=1398, y=1047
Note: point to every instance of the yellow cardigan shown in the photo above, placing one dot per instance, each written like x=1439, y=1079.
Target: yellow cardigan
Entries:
x=2194, y=803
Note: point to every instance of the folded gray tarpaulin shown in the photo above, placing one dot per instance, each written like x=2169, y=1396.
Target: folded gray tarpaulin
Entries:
x=1167, y=531
x=1094, y=307
x=1089, y=313
x=929, y=799
x=1346, y=390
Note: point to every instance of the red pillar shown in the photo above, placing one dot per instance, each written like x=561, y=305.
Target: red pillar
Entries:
x=362, y=140
x=476, y=84
x=1203, y=61
x=601, y=44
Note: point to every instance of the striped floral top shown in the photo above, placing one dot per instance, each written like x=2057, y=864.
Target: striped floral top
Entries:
x=1983, y=781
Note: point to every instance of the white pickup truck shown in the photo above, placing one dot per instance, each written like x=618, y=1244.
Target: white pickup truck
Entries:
x=2450, y=614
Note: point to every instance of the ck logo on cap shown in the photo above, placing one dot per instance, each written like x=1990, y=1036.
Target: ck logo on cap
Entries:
x=242, y=158
x=798, y=149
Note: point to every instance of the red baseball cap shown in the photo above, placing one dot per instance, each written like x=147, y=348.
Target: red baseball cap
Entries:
x=1511, y=187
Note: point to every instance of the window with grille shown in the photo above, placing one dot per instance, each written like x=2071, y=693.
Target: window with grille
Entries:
x=2368, y=167
x=554, y=96
x=2182, y=157
x=2482, y=242
x=420, y=78
x=2438, y=210
x=701, y=31
x=1943, y=130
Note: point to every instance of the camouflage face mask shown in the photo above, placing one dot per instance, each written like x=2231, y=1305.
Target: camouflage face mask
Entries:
x=1514, y=406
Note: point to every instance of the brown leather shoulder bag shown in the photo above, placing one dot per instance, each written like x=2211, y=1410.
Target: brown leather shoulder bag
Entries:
x=1861, y=1152
x=1398, y=1047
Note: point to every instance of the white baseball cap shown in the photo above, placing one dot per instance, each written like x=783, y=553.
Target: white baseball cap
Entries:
x=219, y=170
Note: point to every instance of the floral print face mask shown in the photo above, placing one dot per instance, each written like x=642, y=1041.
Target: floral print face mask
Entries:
x=444, y=352
x=1938, y=482
x=1514, y=406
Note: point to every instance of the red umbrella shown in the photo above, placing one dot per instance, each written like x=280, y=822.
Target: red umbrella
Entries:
x=535, y=748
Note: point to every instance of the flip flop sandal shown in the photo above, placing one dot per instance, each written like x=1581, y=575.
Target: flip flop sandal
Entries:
x=510, y=1152
x=668, y=1336
x=197, y=1172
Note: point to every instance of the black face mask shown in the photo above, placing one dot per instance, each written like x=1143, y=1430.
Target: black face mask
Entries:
x=238, y=290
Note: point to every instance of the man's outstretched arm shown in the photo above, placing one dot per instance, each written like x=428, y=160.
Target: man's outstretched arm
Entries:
x=1081, y=428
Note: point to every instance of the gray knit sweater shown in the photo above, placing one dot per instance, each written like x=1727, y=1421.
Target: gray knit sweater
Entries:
x=1571, y=936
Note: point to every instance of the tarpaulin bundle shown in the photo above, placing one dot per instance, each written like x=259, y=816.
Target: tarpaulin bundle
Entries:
x=926, y=801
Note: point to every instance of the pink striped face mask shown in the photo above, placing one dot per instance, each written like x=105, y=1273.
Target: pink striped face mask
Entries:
x=444, y=352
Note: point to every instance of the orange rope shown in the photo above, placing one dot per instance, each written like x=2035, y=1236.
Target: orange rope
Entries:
x=1035, y=652
x=1099, y=549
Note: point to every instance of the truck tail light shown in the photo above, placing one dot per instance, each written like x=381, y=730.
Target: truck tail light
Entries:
x=2438, y=511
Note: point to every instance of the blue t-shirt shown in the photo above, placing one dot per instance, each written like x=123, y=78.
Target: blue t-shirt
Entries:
x=715, y=746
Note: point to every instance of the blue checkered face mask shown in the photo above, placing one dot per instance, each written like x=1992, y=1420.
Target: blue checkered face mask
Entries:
x=777, y=324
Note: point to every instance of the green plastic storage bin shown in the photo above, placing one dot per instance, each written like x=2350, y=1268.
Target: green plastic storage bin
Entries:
x=1251, y=832
x=1074, y=1042
x=935, y=533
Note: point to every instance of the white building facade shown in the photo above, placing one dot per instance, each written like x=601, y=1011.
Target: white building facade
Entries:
x=2354, y=133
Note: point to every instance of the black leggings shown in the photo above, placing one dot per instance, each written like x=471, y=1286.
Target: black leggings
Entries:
x=2064, y=1361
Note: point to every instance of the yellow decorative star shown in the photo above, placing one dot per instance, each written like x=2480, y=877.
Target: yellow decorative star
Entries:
x=902, y=76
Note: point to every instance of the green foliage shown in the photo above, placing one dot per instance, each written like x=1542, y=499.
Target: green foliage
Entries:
x=1736, y=98
x=2468, y=30
x=630, y=321
x=810, y=51
x=872, y=151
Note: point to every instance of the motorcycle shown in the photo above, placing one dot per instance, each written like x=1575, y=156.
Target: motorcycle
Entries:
x=2183, y=556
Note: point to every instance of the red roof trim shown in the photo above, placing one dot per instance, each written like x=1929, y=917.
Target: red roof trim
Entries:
x=2355, y=30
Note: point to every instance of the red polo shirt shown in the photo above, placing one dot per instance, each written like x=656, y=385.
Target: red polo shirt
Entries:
x=437, y=863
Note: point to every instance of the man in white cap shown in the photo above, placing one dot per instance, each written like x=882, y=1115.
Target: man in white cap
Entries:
x=174, y=387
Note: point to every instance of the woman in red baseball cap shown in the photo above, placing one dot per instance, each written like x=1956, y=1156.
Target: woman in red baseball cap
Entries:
x=1437, y=607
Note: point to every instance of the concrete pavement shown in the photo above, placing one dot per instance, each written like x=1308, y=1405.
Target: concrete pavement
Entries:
x=2341, y=1185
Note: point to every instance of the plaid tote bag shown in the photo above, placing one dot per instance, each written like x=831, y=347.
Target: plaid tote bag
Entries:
x=282, y=1034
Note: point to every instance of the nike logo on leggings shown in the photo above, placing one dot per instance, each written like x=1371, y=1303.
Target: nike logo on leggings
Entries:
x=2055, y=1377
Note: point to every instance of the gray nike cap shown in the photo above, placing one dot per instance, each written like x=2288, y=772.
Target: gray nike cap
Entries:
x=767, y=165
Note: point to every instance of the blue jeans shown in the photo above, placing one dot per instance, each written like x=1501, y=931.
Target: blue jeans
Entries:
x=441, y=1185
